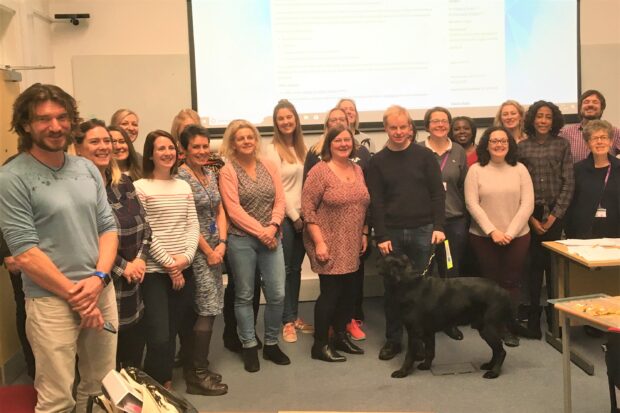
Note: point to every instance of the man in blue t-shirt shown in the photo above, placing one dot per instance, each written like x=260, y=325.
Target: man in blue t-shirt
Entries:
x=61, y=232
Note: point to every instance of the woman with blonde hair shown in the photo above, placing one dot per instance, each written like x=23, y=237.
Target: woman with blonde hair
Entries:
x=184, y=118
x=253, y=197
x=128, y=120
x=511, y=115
x=350, y=108
x=288, y=151
x=94, y=142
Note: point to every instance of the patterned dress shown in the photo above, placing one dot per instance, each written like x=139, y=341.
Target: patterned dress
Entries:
x=339, y=209
x=209, y=296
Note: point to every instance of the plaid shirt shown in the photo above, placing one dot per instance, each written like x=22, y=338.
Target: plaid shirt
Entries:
x=578, y=146
x=551, y=167
x=134, y=238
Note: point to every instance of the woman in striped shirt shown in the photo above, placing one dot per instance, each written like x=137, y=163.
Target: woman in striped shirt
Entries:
x=167, y=285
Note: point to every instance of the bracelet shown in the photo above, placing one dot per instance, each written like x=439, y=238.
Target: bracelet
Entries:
x=275, y=224
x=224, y=241
x=104, y=277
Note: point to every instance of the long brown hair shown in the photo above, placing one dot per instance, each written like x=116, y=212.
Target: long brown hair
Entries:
x=298, y=137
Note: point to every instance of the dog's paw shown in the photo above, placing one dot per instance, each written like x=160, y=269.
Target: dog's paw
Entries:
x=490, y=375
x=399, y=374
x=486, y=366
x=424, y=366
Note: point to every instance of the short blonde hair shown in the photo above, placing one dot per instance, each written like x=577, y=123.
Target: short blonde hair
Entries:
x=227, y=149
x=396, y=110
x=182, y=116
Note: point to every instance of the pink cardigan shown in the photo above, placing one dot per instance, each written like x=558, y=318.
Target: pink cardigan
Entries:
x=229, y=190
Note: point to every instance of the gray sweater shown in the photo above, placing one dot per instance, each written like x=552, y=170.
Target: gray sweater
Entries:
x=62, y=212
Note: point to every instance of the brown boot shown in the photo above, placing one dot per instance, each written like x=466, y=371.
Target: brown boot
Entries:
x=198, y=382
x=198, y=378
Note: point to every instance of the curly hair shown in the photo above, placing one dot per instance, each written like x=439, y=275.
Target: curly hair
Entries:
x=482, y=150
x=530, y=117
x=26, y=103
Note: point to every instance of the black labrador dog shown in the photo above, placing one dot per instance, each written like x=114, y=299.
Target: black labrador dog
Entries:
x=432, y=304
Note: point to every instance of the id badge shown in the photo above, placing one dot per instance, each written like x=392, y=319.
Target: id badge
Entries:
x=449, y=263
x=445, y=186
x=600, y=213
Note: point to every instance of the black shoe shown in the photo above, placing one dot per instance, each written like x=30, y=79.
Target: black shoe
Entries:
x=250, y=359
x=389, y=350
x=273, y=353
x=326, y=353
x=342, y=342
x=454, y=333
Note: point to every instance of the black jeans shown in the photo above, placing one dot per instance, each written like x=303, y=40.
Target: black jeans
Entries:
x=540, y=259
x=163, y=310
x=130, y=348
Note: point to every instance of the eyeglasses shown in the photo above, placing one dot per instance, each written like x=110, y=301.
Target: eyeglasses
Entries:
x=602, y=138
x=498, y=141
x=439, y=121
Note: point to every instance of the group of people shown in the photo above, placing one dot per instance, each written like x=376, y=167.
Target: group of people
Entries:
x=146, y=238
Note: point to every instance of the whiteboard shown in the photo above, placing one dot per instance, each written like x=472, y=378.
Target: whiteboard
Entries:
x=156, y=87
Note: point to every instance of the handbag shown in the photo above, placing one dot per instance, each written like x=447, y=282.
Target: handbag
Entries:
x=155, y=397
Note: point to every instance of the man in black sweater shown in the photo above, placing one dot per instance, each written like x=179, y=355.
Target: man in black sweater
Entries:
x=407, y=202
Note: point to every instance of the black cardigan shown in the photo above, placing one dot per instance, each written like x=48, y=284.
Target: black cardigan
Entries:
x=588, y=188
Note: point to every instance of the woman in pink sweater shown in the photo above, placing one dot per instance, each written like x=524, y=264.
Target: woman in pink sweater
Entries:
x=253, y=196
x=500, y=198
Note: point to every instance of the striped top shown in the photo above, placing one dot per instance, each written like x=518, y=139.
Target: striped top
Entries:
x=169, y=206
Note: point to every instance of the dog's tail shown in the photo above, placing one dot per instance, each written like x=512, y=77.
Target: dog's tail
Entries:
x=519, y=330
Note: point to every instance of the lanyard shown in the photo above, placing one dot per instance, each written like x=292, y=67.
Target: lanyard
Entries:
x=604, y=185
x=445, y=160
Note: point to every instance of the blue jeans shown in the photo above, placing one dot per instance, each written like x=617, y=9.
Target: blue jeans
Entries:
x=294, y=253
x=246, y=254
x=415, y=243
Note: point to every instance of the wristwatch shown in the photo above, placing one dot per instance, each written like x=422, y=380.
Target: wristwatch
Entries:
x=104, y=277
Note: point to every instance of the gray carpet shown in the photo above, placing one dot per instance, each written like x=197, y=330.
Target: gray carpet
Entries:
x=531, y=379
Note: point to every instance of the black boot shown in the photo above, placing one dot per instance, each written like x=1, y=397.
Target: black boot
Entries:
x=533, y=322
x=325, y=352
x=342, y=342
x=250, y=359
x=199, y=379
x=272, y=352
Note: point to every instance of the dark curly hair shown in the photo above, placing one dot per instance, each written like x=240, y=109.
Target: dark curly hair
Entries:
x=530, y=116
x=482, y=150
x=27, y=101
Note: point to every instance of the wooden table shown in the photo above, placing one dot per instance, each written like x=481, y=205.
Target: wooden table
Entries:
x=585, y=309
x=576, y=276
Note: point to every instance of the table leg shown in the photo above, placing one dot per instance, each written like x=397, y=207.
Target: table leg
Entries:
x=566, y=362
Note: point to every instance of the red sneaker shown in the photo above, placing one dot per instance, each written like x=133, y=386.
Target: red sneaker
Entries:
x=355, y=331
